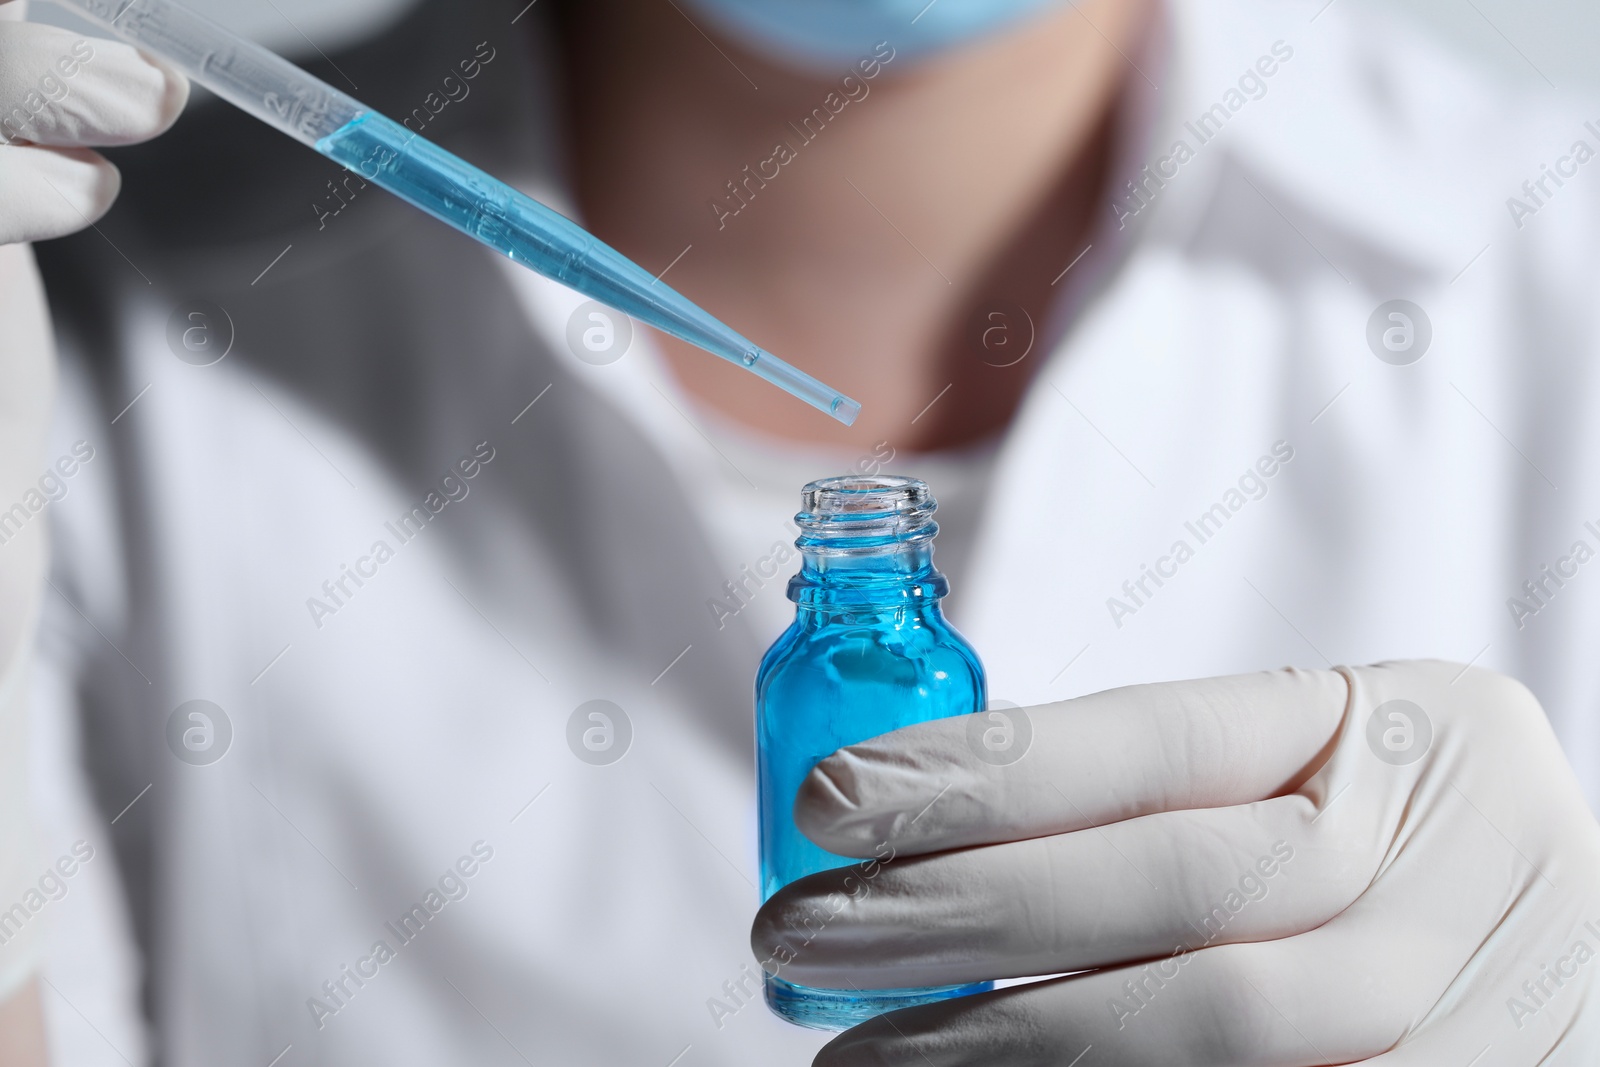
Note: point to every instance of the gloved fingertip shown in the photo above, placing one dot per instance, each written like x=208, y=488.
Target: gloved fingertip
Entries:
x=120, y=96
x=828, y=806
x=871, y=1044
x=174, y=90
x=93, y=185
x=772, y=930
x=829, y=790
x=763, y=941
x=52, y=192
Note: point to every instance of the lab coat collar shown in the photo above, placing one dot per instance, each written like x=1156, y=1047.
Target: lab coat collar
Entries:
x=1342, y=140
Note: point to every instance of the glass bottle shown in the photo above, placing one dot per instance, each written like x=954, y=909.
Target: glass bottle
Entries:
x=869, y=652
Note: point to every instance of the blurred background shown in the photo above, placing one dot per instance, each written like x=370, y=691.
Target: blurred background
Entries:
x=1540, y=41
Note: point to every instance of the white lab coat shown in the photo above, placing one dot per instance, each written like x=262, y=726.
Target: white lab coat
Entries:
x=375, y=746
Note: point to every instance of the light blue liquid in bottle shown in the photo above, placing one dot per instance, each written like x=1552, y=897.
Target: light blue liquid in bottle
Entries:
x=869, y=652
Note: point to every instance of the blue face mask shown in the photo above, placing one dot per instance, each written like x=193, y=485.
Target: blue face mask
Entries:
x=829, y=33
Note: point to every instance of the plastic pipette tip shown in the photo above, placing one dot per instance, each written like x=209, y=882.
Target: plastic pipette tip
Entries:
x=845, y=410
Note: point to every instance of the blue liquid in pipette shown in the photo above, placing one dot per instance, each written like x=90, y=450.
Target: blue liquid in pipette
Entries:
x=387, y=154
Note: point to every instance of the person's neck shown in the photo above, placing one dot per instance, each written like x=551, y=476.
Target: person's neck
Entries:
x=872, y=249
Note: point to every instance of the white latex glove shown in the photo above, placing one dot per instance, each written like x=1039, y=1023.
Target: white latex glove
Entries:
x=63, y=93
x=1326, y=904
x=59, y=92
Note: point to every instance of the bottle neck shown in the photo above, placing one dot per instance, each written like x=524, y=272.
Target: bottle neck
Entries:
x=884, y=577
x=866, y=544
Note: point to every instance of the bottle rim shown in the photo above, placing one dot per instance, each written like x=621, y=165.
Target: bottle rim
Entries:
x=864, y=510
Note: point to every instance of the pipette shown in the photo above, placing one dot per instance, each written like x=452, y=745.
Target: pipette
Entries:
x=447, y=187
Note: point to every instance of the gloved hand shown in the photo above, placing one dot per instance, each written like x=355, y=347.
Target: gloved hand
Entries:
x=1388, y=864
x=59, y=92
x=62, y=93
